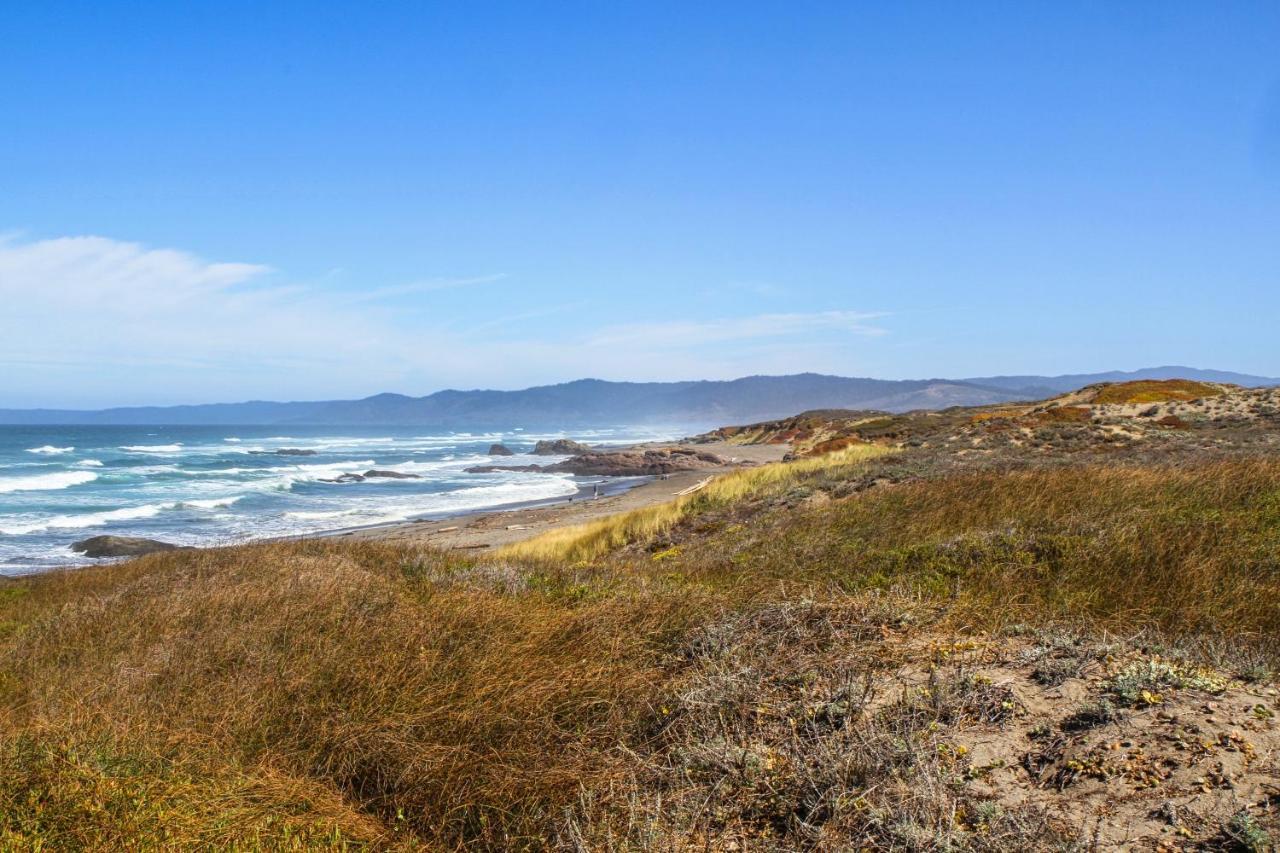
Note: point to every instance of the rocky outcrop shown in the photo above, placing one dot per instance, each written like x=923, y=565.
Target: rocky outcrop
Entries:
x=500, y=450
x=284, y=451
x=344, y=478
x=489, y=469
x=621, y=463
x=122, y=546
x=560, y=447
x=633, y=463
x=372, y=474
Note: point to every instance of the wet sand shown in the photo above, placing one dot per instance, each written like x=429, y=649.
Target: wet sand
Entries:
x=495, y=528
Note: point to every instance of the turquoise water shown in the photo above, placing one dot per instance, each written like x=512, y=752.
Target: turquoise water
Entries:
x=220, y=485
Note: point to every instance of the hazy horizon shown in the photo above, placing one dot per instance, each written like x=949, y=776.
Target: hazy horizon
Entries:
x=1179, y=370
x=293, y=203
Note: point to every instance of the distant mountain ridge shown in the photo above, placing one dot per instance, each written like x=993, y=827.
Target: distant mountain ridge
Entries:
x=1044, y=386
x=587, y=402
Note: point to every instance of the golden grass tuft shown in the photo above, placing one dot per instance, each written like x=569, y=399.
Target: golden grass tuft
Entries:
x=997, y=415
x=584, y=542
x=1156, y=391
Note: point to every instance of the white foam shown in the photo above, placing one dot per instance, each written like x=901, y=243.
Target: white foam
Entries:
x=211, y=503
x=152, y=448
x=232, y=439
x=308, y=515
x=44, y=482
x=89, y=463
x=50, y=450
x=91, y=519
x=309, y=473
x=460, y=500
x=97, y=519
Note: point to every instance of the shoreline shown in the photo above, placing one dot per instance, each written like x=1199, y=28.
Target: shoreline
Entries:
x=504, y=524
x=495, y=527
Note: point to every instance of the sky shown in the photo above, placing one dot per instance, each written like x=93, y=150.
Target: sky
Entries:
x=226, y=201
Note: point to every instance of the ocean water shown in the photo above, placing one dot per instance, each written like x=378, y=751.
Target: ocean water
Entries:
x=220, y=485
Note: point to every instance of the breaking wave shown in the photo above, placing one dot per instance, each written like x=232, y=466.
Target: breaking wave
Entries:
x=45, y=482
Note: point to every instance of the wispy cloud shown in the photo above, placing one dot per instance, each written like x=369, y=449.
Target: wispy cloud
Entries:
x=96, y=321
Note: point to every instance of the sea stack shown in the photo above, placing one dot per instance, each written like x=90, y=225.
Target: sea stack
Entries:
x=560, y=447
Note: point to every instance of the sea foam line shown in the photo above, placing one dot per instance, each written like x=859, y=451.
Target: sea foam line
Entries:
x=44, y=482
x=94, y=519
x=98, y=519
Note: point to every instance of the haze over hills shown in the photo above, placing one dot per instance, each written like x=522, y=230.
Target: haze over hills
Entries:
x=598, y=402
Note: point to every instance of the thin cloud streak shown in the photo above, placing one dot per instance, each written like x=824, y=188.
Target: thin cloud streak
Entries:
x=90, y=321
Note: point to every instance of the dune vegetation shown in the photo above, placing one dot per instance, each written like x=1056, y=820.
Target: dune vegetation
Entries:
x=837, y=652
x=1156, y=391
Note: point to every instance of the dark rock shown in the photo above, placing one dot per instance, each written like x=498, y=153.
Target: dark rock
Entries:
x=560, y=447
x=392, y=475
x=622, y=463
x=500, y=450
x=122, y=546
x=632, y=463
x=345, y=478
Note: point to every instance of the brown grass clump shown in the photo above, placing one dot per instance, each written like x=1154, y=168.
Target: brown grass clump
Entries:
x=1065, y=415
x=344, y=667
x=1156, y=391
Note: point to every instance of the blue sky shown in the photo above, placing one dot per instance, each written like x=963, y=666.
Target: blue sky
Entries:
x=227, y=201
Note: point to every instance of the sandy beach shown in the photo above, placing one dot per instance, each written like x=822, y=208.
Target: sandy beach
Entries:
x=495, y=528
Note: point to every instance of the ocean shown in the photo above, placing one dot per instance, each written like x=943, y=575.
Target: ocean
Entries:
x=193, y=485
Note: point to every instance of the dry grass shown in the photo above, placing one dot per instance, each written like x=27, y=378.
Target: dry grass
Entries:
x=1190, y=549
x=855, y=724
x=326, y=694
x=343, y=667
x=590, y=541
x=1065, y=415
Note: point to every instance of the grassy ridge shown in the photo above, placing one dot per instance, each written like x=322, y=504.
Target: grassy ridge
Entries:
x=1190, y=548
x=335, y=694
